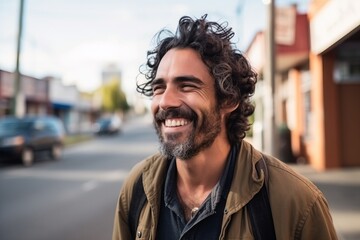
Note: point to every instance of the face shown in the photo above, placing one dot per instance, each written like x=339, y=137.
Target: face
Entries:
x=186, y=116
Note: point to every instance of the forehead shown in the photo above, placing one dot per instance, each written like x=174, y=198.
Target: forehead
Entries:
x=183, y=62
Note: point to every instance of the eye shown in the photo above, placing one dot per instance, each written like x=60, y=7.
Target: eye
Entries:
x=188, y=87
x=158, y=89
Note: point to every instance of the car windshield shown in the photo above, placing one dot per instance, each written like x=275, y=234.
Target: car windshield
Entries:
x=13, y=126
x=104, y=121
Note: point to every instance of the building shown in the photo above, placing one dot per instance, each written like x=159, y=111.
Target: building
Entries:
x=317, y=84
x=48, y=96
x=335, y=73
x=75, y=109
x=111, y=72
x=34, y=92
x=292, y=64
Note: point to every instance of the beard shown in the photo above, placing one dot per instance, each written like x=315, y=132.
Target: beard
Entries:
x=200, y=137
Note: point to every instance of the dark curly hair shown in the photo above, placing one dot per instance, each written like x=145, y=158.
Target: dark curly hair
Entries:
x=234, y=78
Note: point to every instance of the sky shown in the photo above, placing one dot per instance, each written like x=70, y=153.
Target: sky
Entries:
x=75, y=40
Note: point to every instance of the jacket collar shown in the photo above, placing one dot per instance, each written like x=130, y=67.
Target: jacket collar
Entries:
x=246, y=182
x=153, y=179
x=245, y=185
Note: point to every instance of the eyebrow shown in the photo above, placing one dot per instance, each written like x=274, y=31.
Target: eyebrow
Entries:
x=180, y=79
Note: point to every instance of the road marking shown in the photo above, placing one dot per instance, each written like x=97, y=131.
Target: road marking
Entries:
x=90, y=185
x=69, y=175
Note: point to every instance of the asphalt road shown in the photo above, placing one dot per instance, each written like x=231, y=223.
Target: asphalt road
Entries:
x=75, y=197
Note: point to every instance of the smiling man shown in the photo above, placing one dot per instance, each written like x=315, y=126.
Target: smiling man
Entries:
x=187, y=119
x=207, y=182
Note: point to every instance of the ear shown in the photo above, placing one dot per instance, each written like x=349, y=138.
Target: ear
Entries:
x=228, y=108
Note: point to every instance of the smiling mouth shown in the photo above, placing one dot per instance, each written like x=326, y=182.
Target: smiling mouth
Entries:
x=176, y=122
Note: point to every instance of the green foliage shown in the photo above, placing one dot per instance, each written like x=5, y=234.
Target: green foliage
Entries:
x=113, y=98
x=78, y=138
x=251, y=119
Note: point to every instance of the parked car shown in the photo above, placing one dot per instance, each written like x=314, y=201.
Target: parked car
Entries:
x=22, y=138
x=107, y=125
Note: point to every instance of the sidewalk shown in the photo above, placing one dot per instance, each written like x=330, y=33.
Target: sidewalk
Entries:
x=341, y=188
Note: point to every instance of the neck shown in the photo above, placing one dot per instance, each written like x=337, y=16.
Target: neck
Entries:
x=206, y=167
x=200, y=174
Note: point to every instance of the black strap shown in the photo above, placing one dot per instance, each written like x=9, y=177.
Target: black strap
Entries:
x=260, y=210
x=137, y=203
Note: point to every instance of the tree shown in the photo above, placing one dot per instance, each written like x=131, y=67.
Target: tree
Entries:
x=113, y=98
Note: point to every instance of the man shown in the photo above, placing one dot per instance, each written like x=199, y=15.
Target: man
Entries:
x=201, y=183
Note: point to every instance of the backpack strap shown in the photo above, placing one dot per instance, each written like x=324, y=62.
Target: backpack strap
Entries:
x=261, y=165
x=138, y=200
x=260, y=210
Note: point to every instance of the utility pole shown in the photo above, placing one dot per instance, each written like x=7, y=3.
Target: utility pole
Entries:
x=270, y=65
x=239, y=14
x=18, y=104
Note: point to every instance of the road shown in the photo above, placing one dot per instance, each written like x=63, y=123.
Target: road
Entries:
x=75, y=197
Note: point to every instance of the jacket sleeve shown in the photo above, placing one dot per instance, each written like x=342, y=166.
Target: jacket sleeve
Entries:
x=317, y=223
x=121, y=228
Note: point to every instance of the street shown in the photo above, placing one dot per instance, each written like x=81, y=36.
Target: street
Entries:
x=75, y=197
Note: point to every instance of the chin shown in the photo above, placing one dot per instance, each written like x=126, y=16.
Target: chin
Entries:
x=173, y=138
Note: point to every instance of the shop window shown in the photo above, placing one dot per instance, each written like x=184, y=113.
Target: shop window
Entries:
x=307, y=114
x=347, y=63
x=307, y=109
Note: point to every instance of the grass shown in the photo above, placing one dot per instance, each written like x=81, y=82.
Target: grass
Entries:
x=77, y=138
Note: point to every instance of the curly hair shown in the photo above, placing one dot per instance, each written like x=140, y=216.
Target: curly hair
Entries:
x=234, y=78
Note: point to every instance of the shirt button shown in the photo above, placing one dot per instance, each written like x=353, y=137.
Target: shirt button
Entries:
x=225, y=211
x=139, y=234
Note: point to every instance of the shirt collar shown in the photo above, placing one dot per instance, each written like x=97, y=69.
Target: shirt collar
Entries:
x=219, y=191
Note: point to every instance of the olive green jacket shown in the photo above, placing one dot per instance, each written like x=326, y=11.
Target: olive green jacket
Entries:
x=299, y=209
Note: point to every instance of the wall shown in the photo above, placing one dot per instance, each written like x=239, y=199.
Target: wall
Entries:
x=350, y=124
x=331, y=114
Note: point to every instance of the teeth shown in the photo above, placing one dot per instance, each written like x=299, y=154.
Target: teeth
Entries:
x=175, y=122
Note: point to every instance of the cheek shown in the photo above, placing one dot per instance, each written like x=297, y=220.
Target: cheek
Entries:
x=154, y=106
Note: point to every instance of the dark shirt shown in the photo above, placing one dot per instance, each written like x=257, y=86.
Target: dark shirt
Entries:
x=206, y=223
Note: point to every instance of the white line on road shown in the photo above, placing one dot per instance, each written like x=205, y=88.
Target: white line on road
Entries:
x=69, y=175
x=89, y=185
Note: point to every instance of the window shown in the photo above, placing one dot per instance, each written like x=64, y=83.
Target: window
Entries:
x=347, y=63
x=306, y=96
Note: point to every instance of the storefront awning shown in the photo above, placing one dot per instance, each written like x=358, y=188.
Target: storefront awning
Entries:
x=61, y=105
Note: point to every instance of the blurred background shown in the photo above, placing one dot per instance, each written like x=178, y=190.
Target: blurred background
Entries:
x=78, y=61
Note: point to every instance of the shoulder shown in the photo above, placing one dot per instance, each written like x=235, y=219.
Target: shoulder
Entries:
x=121, y=228
x=147, y=166
x=295, y=201
x=282, y=176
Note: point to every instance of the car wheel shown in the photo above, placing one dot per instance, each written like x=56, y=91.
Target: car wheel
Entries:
x=27, y=157
x=56, y=151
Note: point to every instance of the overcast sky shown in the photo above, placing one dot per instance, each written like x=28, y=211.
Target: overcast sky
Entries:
x=75, y=39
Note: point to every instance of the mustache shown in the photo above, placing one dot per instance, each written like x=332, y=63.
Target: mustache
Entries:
x=180, y=112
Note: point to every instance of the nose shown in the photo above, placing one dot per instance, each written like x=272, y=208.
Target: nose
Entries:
x=170, y=98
